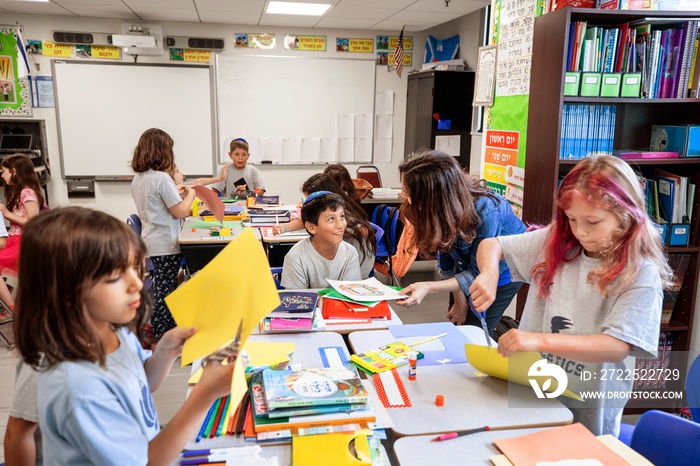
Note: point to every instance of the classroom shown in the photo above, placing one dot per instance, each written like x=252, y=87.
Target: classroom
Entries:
x=305, y=91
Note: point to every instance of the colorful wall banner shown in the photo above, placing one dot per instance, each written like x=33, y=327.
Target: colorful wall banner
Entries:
x=516, y=29
x=190, y=55
x=255, y=41
x=315, y=43
x=354, y=45
x=52, y=49
x=34, y=47
x=387, y=58
x=389, y=42
x=14, y=92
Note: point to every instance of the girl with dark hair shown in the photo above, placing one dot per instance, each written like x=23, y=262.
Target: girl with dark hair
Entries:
x=341, y=175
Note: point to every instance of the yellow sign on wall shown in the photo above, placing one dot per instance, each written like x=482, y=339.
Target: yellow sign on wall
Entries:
x=316, y=43
x=354, y=45
x=52, y=49
x=197, y=55
x=105, y=51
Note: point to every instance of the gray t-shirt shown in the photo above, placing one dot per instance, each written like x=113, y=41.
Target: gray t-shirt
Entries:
x=154, y=194
x=305, y=268
x=367, y=261
x=250, y=174
x=24, y=402
x=575, y=307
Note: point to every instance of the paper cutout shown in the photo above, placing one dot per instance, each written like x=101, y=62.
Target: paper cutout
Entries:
x=211, y=200
x=333, y=356
x=444, y=361
x=238, y=383
x=513, y=369
x=370, y=289
x=448, y=347
x=557, y=444
x=215, y=300
x=390, y=390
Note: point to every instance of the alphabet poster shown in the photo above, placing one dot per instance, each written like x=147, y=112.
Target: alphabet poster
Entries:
x=14, y=92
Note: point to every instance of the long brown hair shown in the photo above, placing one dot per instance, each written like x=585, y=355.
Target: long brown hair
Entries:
x=154, y=151
x=64, y=253
x=341, y=175
x=442, y=200
x=23, y=176
x=362, y=231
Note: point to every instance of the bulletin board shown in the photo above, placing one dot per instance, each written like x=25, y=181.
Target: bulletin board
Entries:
x=103, y=108
x=289, y=97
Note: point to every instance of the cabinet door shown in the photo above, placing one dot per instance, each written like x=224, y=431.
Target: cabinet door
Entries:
x=419, y=110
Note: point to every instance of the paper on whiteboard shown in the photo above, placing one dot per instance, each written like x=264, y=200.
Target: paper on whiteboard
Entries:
x=345, y=125
x=346, y=149
x=370, y=289
x=384, y=126
x=448, y=144
x=382, y=150
x=309, y=149
x=363, y=126
x=291, y=150
x=328, y=150
x=363, y=150
x=384, y=104
x=271, y=150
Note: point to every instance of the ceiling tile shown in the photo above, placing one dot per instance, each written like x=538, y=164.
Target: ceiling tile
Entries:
x=90, y=2
x=394, y=4
x=169, y=14
x=456, y=7
x=229, y=17
x=363, y=13
x=164, y=4
x=423, y=16
x=101, y=11
x=346, y=23
x=413, y=26
x=238, y=6
x=34, y=8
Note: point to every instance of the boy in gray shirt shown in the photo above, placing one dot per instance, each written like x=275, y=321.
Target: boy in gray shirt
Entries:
x=236, y=176
x=324, y=255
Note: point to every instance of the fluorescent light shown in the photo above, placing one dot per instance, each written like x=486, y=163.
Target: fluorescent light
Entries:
x=294, y=8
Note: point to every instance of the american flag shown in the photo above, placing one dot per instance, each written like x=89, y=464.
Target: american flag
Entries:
x=398, y=54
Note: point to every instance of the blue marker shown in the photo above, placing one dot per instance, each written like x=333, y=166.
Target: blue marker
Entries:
x=204, y=425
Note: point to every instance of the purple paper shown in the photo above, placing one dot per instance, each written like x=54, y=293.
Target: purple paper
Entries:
x=453, y=342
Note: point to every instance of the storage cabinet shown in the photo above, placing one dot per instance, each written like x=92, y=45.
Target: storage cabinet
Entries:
x=447, y=94
x=634, y=119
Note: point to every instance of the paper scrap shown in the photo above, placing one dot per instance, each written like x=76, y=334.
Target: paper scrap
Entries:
x=212, y=201
x=370, y=289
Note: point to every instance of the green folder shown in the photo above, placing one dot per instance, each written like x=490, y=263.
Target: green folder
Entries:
x=610, y=85
x=590, y=84
x=631, y=82
x=572, y=79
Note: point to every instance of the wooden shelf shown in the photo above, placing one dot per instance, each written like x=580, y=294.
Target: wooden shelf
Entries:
x=633, y=162
x=674, y=326
x=625, y=100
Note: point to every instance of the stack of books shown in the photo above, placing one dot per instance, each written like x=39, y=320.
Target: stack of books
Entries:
x=268, y=217
x=267, y=201
x=296, y=312
x=231, y=212
x=385, y=193
x=290, y=400
x=587, y=130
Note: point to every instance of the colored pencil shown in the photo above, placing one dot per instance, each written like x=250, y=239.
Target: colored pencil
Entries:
x=211, y=418
x=244, y=408
x=206, y=421
x=427, y=340
x=460, y=433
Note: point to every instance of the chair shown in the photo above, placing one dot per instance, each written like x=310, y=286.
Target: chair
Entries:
x=666, y=439
x=387, y=218
x=135, y=223
x=378, y=234
x=369, y=173
x=6, y=317
x=692, y=389
x=277, y=277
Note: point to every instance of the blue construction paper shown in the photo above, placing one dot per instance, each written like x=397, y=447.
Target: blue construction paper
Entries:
x=452, y=343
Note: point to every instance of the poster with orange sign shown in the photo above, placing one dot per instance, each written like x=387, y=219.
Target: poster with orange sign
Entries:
x=501, y=170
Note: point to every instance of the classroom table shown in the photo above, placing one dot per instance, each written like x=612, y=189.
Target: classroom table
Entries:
x=477, y=449
x=471, y=400
x=199, y=248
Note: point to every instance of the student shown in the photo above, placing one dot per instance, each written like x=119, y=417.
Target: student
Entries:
x=95, y=380
x=452, y=213
x=341, y=175
x=23, y=437
x=324, y=255
x=160, y=208
x=23, y=200
x=239, y=176
x=359, y=233
x=596, y=275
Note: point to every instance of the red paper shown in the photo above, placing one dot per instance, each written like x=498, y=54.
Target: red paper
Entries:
x=331, y=308
x=212, y=201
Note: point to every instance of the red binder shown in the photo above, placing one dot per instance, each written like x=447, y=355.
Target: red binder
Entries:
x=336, y=308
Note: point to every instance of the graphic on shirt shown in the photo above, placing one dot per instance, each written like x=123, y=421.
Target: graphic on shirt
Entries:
x=147, y=409
x=542, y=369
x=560, y=323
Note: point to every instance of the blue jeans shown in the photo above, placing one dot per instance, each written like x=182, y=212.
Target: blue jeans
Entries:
x=504, y=296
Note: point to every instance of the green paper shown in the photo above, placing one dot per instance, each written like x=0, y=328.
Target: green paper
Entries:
x=213, y=223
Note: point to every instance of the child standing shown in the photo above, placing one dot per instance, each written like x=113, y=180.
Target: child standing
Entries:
x=237, y=176
x=596, y=275
x=324, y=255
x=23, y=200
x=452, y=213
x=160, y=208
x=95, y=381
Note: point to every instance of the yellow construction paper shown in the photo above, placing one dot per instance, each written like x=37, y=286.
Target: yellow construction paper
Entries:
x=318, y=450
x=259, y=353
x=219, y=296
x=512, y=369
x=238, y=383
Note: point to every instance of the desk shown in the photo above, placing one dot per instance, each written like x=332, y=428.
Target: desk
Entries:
x=470, y=401
x=306, y=354
x=199, y=248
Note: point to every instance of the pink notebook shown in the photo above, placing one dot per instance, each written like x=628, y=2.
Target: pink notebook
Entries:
x=290, y=324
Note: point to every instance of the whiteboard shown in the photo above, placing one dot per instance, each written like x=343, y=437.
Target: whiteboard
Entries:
x=290, y=97
x=103, y=108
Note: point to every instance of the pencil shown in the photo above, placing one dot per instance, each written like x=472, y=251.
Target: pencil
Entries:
x=460, y=433
x=211, y=418
x=206, y=421
x=427, y=340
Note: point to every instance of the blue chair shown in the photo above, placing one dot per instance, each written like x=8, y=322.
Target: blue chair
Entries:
x=667, y=439
x=387, y=218
x=277, y=277
x=378, y=234
x=135, y=223
x=692, y=389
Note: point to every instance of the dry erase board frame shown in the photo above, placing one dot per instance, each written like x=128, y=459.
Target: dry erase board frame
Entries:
x=263, y=96
x=103, y=108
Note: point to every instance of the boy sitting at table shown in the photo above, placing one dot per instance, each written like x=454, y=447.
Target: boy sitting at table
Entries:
x=323, y=255
x=238, y=176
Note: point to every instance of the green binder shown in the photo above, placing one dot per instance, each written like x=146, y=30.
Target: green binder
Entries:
x=572, y=81
x=631, y=83
x=610, y=85
x=590, y=84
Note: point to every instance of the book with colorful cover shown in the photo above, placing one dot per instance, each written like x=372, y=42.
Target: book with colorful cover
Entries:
x=384, y=358
x=313, y=387
x=297, y=301
x=267, y=201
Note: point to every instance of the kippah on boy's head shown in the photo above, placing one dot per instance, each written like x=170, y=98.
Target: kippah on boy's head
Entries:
x=239, y=143
x=317, y=203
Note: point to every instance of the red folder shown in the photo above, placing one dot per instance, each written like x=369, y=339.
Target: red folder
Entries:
x=335, y=308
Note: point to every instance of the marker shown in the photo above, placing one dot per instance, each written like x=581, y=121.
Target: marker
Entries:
x=206, y=421
x=230, y=451
x=211, y=459
x=459, y=434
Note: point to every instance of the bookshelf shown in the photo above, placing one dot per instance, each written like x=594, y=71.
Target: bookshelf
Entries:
x=633, y=122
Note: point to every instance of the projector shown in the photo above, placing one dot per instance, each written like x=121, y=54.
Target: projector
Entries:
x=133, y=40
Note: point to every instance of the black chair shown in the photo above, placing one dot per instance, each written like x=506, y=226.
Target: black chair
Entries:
x=387, y=218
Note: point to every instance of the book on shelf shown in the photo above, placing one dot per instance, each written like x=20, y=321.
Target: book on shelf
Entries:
x=653, y=372
x=313, y=387
x=587, y=130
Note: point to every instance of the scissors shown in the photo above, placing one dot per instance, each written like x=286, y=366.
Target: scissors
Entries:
x=482, y=318
x=229, y=352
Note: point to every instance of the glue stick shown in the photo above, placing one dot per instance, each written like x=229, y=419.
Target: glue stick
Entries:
x=412, y=365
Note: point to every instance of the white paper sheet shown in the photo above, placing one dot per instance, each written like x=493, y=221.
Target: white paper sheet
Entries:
x=291, y=150
x=384, y=127
x=272, y=150
x=328, y=150
x=382, y=150
x=309, y=149
x=384, y=104
x=363, y=150
x=346, y=149
x=448, y=144
x=370, y=289
x=363, y=126
x=345, y=125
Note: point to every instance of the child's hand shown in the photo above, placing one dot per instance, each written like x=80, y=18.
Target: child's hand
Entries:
x=458, y=312
x=216, y=380
x=484, y=289
x=278, y=229
x=3, y=209
x=181, y=189
x=223, y=172
x=418, y=291
x=172, y=341
x=518, y=340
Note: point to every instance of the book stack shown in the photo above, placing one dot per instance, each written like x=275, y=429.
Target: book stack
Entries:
x=290, y=400
x=654, y=372
x=267, y=201
x=587, y=130
x=296, y=312
x=679, y=264
x=268, y=217
x=231, y=212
